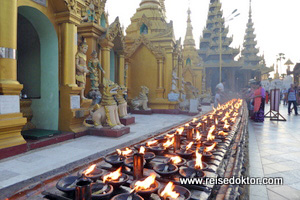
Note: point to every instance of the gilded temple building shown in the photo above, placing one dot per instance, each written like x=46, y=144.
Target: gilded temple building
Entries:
x=254, y=66
x=46, y=34
x=213, y=37
x=152, y=55
x=192, y=65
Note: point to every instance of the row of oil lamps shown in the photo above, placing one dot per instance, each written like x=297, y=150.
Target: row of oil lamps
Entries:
x=197, y=139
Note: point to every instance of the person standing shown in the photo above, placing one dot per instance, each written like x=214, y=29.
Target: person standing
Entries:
x=292, y=99
x=220, y=87
x=258, y=104
x=217, y=99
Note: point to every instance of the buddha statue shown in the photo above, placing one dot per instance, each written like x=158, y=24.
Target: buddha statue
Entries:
x=81, y=68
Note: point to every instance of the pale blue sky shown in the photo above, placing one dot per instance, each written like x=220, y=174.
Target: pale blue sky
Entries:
x=275, y=21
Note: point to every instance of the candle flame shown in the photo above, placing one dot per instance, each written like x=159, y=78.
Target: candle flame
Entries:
x=189, y=146
x=176, y=159
x=210, y=136
x=210, y=148
x=113, y=176
x=169, y=136
x=89, y=170
x=180, y=130
x=222, y=133
x=150, y=143
x=194, y=120
x=169, y=191
x=168, y=143
x=187, y=125
x=146, y=184
x=198, y=136
x=199, y=164
x=142, y=150
x=198, y=125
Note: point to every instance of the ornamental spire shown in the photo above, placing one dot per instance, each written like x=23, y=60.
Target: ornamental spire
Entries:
x=189, y=38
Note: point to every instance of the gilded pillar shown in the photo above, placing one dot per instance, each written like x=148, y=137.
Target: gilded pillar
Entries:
x=70, y=116
x=121, y=69
x=160, y=89
x=8, y=47
x=11, y=120
x=106, y=61
x=69, y=49
x=180, y=66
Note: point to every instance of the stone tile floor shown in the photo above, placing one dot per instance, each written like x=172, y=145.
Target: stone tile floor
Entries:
x=274, y=149
x=37, y=162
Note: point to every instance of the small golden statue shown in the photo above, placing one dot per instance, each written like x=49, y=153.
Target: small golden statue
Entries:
x=94, y=65
x=81, y=68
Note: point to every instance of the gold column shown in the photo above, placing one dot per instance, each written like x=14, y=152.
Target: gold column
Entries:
x=160, y=89
x=8, y=45
x=121, y=69
x=180, y=65
x=11, y=123
x=106, y=61
x=69, y=49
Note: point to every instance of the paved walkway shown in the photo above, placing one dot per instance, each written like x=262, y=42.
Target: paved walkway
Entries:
x=37, y=162
x=275, y=152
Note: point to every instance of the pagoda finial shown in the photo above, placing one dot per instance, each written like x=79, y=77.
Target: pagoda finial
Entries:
x=250, y=8
x=189, y=38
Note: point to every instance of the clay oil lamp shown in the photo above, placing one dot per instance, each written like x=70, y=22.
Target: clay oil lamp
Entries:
x=146, y=186
x=155, y=147
x=187, y=152
x=195, y=168
x=165, y=169
x=101, y=191
x=67, y=184
x=116, y=178
x=222, y=135
x=176, y=160
x=92, y=173
x=127, y=196
x=226, y=127
x=207, y=152
x=174, y=192
x=116, y=160
x=194, y=123
x=148, y=156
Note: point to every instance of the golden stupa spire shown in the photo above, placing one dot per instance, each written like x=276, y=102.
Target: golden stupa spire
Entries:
x=189, y=38
x=150, y=3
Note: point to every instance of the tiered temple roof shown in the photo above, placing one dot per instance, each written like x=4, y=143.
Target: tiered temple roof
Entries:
x=210, y=40
x=249, y=54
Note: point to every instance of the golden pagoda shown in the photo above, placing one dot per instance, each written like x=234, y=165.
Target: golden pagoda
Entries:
x=210, y=50
x=152, y=55
x=193, y=65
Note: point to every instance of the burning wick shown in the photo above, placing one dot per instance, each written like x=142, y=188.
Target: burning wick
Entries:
x=198, y=125
x=180, y=130
x=187, y=125
x=168, y=143
x=113, y=176
x=175, y=160
x=194, y=120
x=210, y=137
x=89, y=170
x=169, y=136
x=198, y=164
x=210, y=148
x=222, y=133
x=150, y=143
x=142, y=150
x=189, y=146
x=126, y=152
x=198, y=136
x=169, y=192
x=144, y=185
